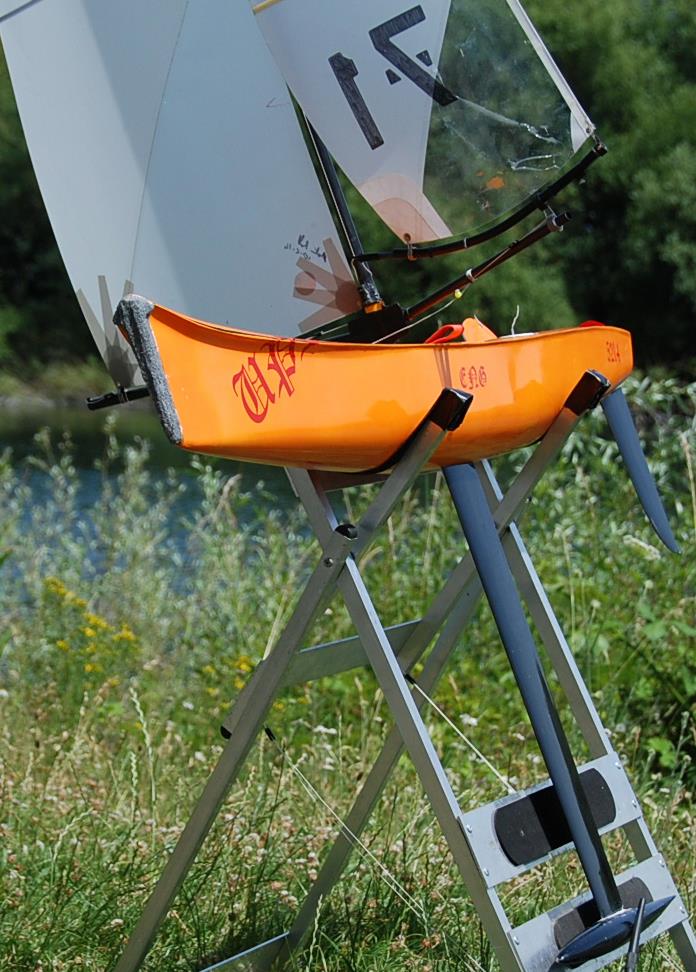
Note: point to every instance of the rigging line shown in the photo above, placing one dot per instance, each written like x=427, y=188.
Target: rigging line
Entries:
x=18, y=9
x=473, y=964
x=155, y=132
x=385, y=873
x=438, y=310
x=412, y=324
x=394, y=885
x=458, y=731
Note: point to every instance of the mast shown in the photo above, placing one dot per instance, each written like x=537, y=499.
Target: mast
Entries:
x=376, y=321
x=352, y=245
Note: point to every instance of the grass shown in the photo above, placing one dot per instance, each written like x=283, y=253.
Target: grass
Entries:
x=126, y=634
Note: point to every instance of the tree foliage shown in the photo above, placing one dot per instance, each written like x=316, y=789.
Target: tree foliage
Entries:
x=39, y=317
x=628, y=257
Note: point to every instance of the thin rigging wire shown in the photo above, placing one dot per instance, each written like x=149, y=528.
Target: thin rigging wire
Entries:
x=392, y=883
x=464, y=738
x=438, y=310
x=385, y=873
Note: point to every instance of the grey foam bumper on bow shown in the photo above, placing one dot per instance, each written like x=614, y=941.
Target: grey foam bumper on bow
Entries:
x=133, y=314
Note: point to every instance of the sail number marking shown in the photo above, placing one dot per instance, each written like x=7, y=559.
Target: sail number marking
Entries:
x=381, y=36
x=346, y=73
x=613, y=352
x=473, y=377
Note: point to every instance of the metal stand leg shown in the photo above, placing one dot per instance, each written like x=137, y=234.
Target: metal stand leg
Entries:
x=454, y=606
x=249, y=714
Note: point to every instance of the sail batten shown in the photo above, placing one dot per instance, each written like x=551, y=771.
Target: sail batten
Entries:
x=445, y=114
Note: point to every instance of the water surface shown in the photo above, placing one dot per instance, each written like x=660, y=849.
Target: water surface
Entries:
x=20, y=424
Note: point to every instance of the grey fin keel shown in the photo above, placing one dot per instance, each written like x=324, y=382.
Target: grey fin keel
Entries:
x=624, y=431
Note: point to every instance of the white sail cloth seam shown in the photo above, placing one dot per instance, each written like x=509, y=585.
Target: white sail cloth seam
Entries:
x=155, y=131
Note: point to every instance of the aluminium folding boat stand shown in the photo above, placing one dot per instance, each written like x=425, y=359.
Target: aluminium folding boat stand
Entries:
x=491, y=844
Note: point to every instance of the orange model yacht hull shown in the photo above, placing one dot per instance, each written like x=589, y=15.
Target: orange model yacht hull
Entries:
x=350, y=407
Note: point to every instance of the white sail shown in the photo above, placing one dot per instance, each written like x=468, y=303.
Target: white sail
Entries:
x=169, y=157
x=443, y=113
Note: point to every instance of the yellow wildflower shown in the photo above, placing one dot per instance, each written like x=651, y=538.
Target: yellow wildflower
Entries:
x=56, y=586
x=95, y=621
x=62, y=644
x=89, y=632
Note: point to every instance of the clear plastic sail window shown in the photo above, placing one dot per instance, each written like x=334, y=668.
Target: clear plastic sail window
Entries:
x=445, y=115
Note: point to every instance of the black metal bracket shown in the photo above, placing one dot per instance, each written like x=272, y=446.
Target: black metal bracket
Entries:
x=553, y=223
x=118, y=397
